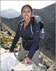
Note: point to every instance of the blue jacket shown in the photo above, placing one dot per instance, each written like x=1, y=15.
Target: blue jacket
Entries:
x=30, y=38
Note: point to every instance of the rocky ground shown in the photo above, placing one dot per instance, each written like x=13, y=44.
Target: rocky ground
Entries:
x=45, y=64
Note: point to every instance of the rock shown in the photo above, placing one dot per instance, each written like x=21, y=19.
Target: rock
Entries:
x=8, y=61
x=2, y=50
x=42, y=67
x=46, y=61
x=21, y=66
x=52, y=68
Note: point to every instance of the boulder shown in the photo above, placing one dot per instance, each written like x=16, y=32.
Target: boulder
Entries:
x=21, y=66
x=25, y=67
x=52, y=68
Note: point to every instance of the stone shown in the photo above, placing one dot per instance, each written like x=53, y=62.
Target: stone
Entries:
x=2, y=50
x=52, y=68
x=42, y=67
x=21, y=66
x=8, y=61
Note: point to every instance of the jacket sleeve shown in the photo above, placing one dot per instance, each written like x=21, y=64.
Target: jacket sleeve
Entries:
x=35, y=44
x=15, y=38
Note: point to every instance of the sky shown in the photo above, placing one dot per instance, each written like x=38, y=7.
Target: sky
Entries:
x=17, y=5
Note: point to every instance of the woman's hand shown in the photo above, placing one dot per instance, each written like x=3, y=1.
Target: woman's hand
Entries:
x=28, y=60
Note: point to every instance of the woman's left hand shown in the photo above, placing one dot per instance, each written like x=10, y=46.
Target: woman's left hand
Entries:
x=28, y=60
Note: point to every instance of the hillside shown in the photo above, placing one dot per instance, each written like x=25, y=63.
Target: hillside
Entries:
x=48, y=16
x=12, y=23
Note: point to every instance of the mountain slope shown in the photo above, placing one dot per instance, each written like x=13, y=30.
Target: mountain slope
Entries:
x=9, y=13
x=48, y=16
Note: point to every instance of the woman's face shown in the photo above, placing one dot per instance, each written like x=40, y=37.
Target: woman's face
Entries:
x=26, y=13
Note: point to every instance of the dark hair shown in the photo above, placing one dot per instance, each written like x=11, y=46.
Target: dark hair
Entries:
x=26, y=6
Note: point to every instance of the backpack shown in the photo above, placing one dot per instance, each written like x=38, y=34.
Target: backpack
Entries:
x=38, y=20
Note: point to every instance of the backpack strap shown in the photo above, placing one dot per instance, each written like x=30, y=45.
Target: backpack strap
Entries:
x=31, y=27
x=21, y=23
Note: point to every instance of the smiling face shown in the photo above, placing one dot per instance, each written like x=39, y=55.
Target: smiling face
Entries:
x=26, y=13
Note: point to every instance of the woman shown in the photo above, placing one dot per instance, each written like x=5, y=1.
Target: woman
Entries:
x=30, y=40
